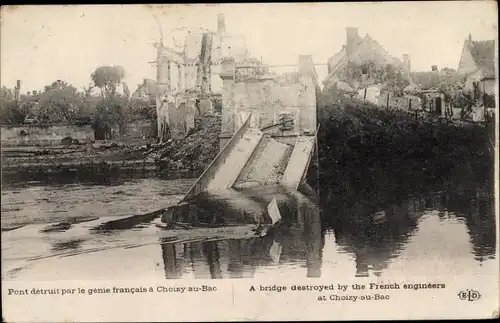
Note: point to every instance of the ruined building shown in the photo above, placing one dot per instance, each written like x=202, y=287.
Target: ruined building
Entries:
x=269, y=98
x=365, y=52
x=477, y=65
x=188, y=81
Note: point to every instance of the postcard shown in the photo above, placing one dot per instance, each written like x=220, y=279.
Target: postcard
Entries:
x=249, y=162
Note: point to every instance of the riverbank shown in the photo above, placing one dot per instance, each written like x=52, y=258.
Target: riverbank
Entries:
x=376, y=156
x=356, y=139
x=179, y=158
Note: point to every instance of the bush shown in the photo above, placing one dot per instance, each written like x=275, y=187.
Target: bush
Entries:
x=109, y=113
x=141, y=110
x=11, y=114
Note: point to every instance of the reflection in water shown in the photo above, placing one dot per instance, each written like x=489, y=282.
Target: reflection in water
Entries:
x=58, y=227
x=173, y=259
x=112, y=177
x=127, y=223
x=204, y=260
x=240, y=257
x=67, y=245
x=300, y=239
x=478, y=213
x=373, y=235
x=376, y=238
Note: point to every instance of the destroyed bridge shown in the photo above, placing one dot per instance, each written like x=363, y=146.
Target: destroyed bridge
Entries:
x=269, y=127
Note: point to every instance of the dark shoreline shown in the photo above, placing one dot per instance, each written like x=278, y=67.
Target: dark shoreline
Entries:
x=377, y=157
x=104, y=176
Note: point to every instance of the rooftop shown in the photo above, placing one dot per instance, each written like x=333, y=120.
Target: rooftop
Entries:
x=483, y=53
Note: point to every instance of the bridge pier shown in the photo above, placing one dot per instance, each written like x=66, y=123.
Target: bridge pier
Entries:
x=270, y=98
x=268, y=130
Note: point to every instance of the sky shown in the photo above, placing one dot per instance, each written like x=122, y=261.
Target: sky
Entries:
x=41, y=44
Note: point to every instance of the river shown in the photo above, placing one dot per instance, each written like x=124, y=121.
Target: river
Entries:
x=450, y=231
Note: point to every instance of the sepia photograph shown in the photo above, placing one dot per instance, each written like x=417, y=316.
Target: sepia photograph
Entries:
x=302, y=154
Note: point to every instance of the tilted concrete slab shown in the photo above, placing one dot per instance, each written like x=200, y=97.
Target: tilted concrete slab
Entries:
x=266, y=165
x=298, y=162
x=231, y=168
x=202, y=183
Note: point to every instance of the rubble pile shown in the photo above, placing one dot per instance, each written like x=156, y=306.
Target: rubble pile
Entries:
x=193, y=153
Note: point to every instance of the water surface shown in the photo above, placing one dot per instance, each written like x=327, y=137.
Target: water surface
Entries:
x=448, y=231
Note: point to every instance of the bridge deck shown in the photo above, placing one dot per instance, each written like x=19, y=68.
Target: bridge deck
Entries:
x=298, y=162
x=257, y=160
x=231, y=168
x=266, y=165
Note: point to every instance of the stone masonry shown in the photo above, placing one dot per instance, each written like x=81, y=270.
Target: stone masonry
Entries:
x=267, y=97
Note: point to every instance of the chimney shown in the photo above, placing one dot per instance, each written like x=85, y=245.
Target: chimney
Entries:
x=352, y=36
x=470, y=37
x=434, y=68
x=406, y=62
x=306, y=65
x=17, y=90
x=221, y=23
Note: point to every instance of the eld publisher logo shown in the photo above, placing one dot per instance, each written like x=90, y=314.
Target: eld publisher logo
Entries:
x=469, y=295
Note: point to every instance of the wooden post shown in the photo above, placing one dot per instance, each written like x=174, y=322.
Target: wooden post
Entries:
x=409, y=104
x=484, y=101
x=17, y=91
x=169, y=76
x=364, y=96
x=388, y=96
x=317, y=165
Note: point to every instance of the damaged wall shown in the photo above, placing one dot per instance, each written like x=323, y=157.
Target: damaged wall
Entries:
x=45, y=135
x=141, y=131
x=376, y=95
x=370, y=93
x=182, y=82
x=406, y=103
x=267, y=97
x=182, y=110
x=195, y=71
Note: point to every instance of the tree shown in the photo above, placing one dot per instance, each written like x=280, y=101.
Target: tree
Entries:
x=57, y=85
x=448, y=70
x=87, y=90
x=10, y=113
x=13, y=112
x=141, y=110
x=107, y=79
x=395, y=82
x=59, y=102
x=126, y=91
x=109, y=113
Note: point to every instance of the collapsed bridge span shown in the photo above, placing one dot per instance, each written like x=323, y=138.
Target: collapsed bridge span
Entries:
x=268, y=135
